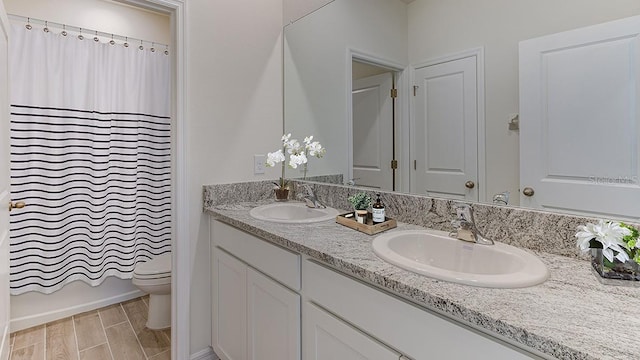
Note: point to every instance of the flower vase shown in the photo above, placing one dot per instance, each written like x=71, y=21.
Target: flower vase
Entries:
x=281, y=194
x=616, y=270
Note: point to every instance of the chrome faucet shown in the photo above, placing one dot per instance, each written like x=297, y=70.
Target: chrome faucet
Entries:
x=311, y=199
x=466, y=226
x=501, y=198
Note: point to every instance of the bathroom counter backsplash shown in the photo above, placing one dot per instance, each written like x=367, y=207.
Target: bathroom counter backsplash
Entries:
x=525, y=228
x=570, y=316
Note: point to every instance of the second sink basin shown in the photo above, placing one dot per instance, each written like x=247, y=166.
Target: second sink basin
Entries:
x=292, y=213
x=435, y=254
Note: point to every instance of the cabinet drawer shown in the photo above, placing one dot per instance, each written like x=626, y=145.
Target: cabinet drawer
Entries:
x=413, y=331
x=280, y=264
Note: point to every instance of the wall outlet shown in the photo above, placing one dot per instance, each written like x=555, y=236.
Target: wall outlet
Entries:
x=259, y=164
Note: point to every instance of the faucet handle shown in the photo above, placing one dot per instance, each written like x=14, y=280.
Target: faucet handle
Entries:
x=464, y=213
x=309, y=190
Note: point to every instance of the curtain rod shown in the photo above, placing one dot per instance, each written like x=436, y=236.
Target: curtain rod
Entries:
x=85, y=31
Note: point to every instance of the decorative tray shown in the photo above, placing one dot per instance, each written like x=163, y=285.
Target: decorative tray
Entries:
x=348, y=220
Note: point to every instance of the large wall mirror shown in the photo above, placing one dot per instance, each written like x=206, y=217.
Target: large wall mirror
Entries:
x=456, y=62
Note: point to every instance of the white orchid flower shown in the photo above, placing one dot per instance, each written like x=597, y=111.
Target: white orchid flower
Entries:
x=308, y=139
x=315, y=149
x=275, y=158
x=286, y=137
x=295, y=160
x=293, y=147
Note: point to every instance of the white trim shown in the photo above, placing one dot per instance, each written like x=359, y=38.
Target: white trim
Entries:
x=204, y=354
x=478, y=53
x=402, y=117
x=181, y=250
x=45, y=317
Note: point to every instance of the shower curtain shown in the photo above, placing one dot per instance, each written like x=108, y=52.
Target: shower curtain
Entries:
x=90, y=156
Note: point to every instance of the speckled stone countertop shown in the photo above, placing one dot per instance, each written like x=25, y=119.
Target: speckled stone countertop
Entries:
x=570, y=316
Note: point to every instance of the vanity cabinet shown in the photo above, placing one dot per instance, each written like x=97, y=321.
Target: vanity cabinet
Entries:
x=264, y=294
x=254, y=315
x=327, y=337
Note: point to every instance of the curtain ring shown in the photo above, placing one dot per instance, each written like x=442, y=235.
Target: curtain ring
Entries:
x=126, y=44
x=46, y=27
x=152, y=47
x=95, y=38
x=141, y=47
x=64, y=30
x=112, y=42
x=80, y=37
x=28, y=26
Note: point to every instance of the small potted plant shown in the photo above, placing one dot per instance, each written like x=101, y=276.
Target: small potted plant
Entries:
x=360, y=202
x=614, y=247
x=298, y=155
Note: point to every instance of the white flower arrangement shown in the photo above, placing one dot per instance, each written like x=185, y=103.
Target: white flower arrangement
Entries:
x=298, y=155
x=617, y=240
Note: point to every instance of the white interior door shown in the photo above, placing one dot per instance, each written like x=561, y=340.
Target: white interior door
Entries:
x=373, y=131
x=580, y=123
x=4, y=185
x=445, y=131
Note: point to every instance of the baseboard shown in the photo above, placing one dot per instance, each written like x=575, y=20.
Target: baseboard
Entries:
x=5, y=347
x=45, y=317
x=204, y=354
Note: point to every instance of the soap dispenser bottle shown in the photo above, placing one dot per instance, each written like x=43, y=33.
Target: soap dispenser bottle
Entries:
x=378, y=211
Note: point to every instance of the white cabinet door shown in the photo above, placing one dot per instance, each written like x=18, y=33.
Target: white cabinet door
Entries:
x=446, y=130
x=273, y=319
x=580, y=120
x=4, y=187
x=229, y=307
x=326, y=337
x=373, y=131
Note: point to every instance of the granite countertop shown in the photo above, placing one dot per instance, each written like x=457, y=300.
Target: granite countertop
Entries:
x=570, y=316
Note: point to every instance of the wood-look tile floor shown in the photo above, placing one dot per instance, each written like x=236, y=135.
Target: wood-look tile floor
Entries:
x=115, y=332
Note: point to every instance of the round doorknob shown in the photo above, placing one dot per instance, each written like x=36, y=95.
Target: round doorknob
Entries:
x=470, y=184
x=16, y=205
x=528, y=191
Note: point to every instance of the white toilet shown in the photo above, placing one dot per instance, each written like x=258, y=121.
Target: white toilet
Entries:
x=154, y=278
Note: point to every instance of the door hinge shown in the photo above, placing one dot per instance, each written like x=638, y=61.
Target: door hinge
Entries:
x=415, y=164
x=394, y=164
x=415, y=89
x=394, y=93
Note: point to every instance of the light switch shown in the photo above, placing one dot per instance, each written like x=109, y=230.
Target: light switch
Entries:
x=258, y=164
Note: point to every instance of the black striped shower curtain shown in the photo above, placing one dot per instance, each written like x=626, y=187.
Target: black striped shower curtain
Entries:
x=90, y=156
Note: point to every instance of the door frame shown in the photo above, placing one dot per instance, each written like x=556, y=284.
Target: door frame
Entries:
x=181, y=250
x=478, y=53
x=401, y=121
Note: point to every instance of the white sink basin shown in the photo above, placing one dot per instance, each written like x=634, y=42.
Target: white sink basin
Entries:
x=292, y=213
x=435, y=254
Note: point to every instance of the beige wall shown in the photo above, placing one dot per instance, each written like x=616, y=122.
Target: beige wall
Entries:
x=101, y=15
x=234, y=110
x=438, y=27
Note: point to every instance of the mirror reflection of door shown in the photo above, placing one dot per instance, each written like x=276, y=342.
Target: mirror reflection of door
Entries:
x=579, y=143
x=373, y=126
x=446, y=129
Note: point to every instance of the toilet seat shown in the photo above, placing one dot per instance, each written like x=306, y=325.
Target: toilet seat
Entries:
x=157, y=268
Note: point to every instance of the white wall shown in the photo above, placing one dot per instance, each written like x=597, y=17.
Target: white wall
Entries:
x=34, y=308
x=234, y=110
x=295, y=9
x=317, y=65
x=438, y=28
x=101, y=15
